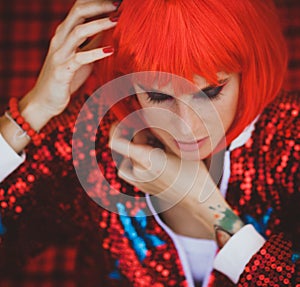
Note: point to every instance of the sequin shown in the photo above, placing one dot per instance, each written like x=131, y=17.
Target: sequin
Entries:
x=262, y=176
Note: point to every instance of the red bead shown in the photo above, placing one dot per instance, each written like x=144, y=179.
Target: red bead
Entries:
x=25, y=126
x=20, y=120
x=30, y=132
x=14, y=111
x=14, y=114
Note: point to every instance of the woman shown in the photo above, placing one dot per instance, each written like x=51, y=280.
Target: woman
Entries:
x=210, y=98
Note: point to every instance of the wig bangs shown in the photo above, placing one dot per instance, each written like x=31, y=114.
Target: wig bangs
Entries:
x=181, y=38
x=201, y=37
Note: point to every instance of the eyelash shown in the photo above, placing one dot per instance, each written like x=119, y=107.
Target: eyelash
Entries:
x=212, y=93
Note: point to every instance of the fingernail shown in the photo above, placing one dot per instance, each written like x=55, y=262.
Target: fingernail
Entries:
x=116, y=3
x=108, y=50
x=114, y=18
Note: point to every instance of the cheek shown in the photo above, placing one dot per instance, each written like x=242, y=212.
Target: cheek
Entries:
x=231, y=107
x=154, y=116
x=227, y=107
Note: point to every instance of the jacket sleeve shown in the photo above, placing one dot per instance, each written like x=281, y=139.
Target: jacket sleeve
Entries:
x=276, y=262
x=39, y=198
x=9, y=159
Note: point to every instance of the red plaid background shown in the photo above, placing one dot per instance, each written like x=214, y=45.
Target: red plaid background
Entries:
x=25, y=29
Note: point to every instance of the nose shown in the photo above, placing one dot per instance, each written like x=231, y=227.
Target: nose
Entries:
x=188, y=122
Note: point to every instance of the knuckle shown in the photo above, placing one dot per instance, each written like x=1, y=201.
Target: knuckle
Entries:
x=78, y=31
x=78, y=10
x=158, y=156
x=77, y=59
x=54, y=42
x=58, y=28
x=111, y=143
x=124, y=175
x=56, y=58
x=143, y=157
x=139, y=172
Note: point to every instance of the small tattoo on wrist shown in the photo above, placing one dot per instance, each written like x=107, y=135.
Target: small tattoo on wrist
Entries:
x=222, y=235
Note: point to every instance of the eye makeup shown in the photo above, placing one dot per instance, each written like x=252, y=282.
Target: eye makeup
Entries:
x=157, y=98
x=211, y=92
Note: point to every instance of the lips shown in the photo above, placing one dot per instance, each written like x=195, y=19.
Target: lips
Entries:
x=190, y=146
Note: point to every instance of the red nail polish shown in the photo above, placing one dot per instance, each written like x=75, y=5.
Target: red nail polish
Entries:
x=116, y=3
x=114, y=18
x=107, y=50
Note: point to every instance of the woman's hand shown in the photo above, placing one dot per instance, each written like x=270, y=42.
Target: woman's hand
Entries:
x=183, y=187
x=67, y=66
x=65, y=69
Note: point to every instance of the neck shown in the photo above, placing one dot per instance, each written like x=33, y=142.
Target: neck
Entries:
x=214, y=164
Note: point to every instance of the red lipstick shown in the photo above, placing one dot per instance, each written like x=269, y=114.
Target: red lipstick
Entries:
x=190, y=146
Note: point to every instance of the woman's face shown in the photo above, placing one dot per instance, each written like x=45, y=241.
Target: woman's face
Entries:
x=191, y=125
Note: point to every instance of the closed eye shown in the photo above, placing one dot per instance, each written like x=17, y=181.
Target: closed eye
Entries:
x=210, y=92
x=155, y=97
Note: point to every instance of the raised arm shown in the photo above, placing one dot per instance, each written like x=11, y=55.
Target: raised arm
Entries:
x=67, y=66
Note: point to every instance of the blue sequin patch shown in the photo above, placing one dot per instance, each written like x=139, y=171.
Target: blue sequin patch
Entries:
x=2, y=227
x=295, y=257
x=261, y=224
x=135, y=231
x=115, y=274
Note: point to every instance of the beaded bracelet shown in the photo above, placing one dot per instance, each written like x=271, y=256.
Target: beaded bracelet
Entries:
x=20, y=134
x=25, y=126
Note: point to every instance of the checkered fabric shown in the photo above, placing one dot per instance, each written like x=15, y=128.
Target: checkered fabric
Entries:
x=289, y=11
x=45, y=269
x=26, y=27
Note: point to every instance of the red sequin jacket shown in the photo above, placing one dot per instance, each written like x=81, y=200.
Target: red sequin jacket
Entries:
x=53, y=234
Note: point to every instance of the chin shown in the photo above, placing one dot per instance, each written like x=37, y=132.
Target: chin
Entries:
x=192, y=156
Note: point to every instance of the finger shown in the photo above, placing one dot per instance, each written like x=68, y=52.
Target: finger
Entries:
x=138, y=153
x=77, y=15
x=128, y=173
x=82, y=58
x=120, y=144
x=144, y=156
x=114, y=131
x=115, y=135
x=82, y=32
x=125, y=172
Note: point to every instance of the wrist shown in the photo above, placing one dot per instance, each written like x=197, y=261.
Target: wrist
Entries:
x=33, y=112
x=22, y=122
x=227, y=227
x=216, y=212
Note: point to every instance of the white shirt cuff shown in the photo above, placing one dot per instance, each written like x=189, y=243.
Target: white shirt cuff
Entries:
x=9, y=159
x=237, y=252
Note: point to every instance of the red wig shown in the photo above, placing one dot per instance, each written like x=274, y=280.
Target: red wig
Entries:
x=202, y=37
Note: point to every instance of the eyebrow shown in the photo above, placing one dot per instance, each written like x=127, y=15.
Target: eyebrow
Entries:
x=220, y=82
